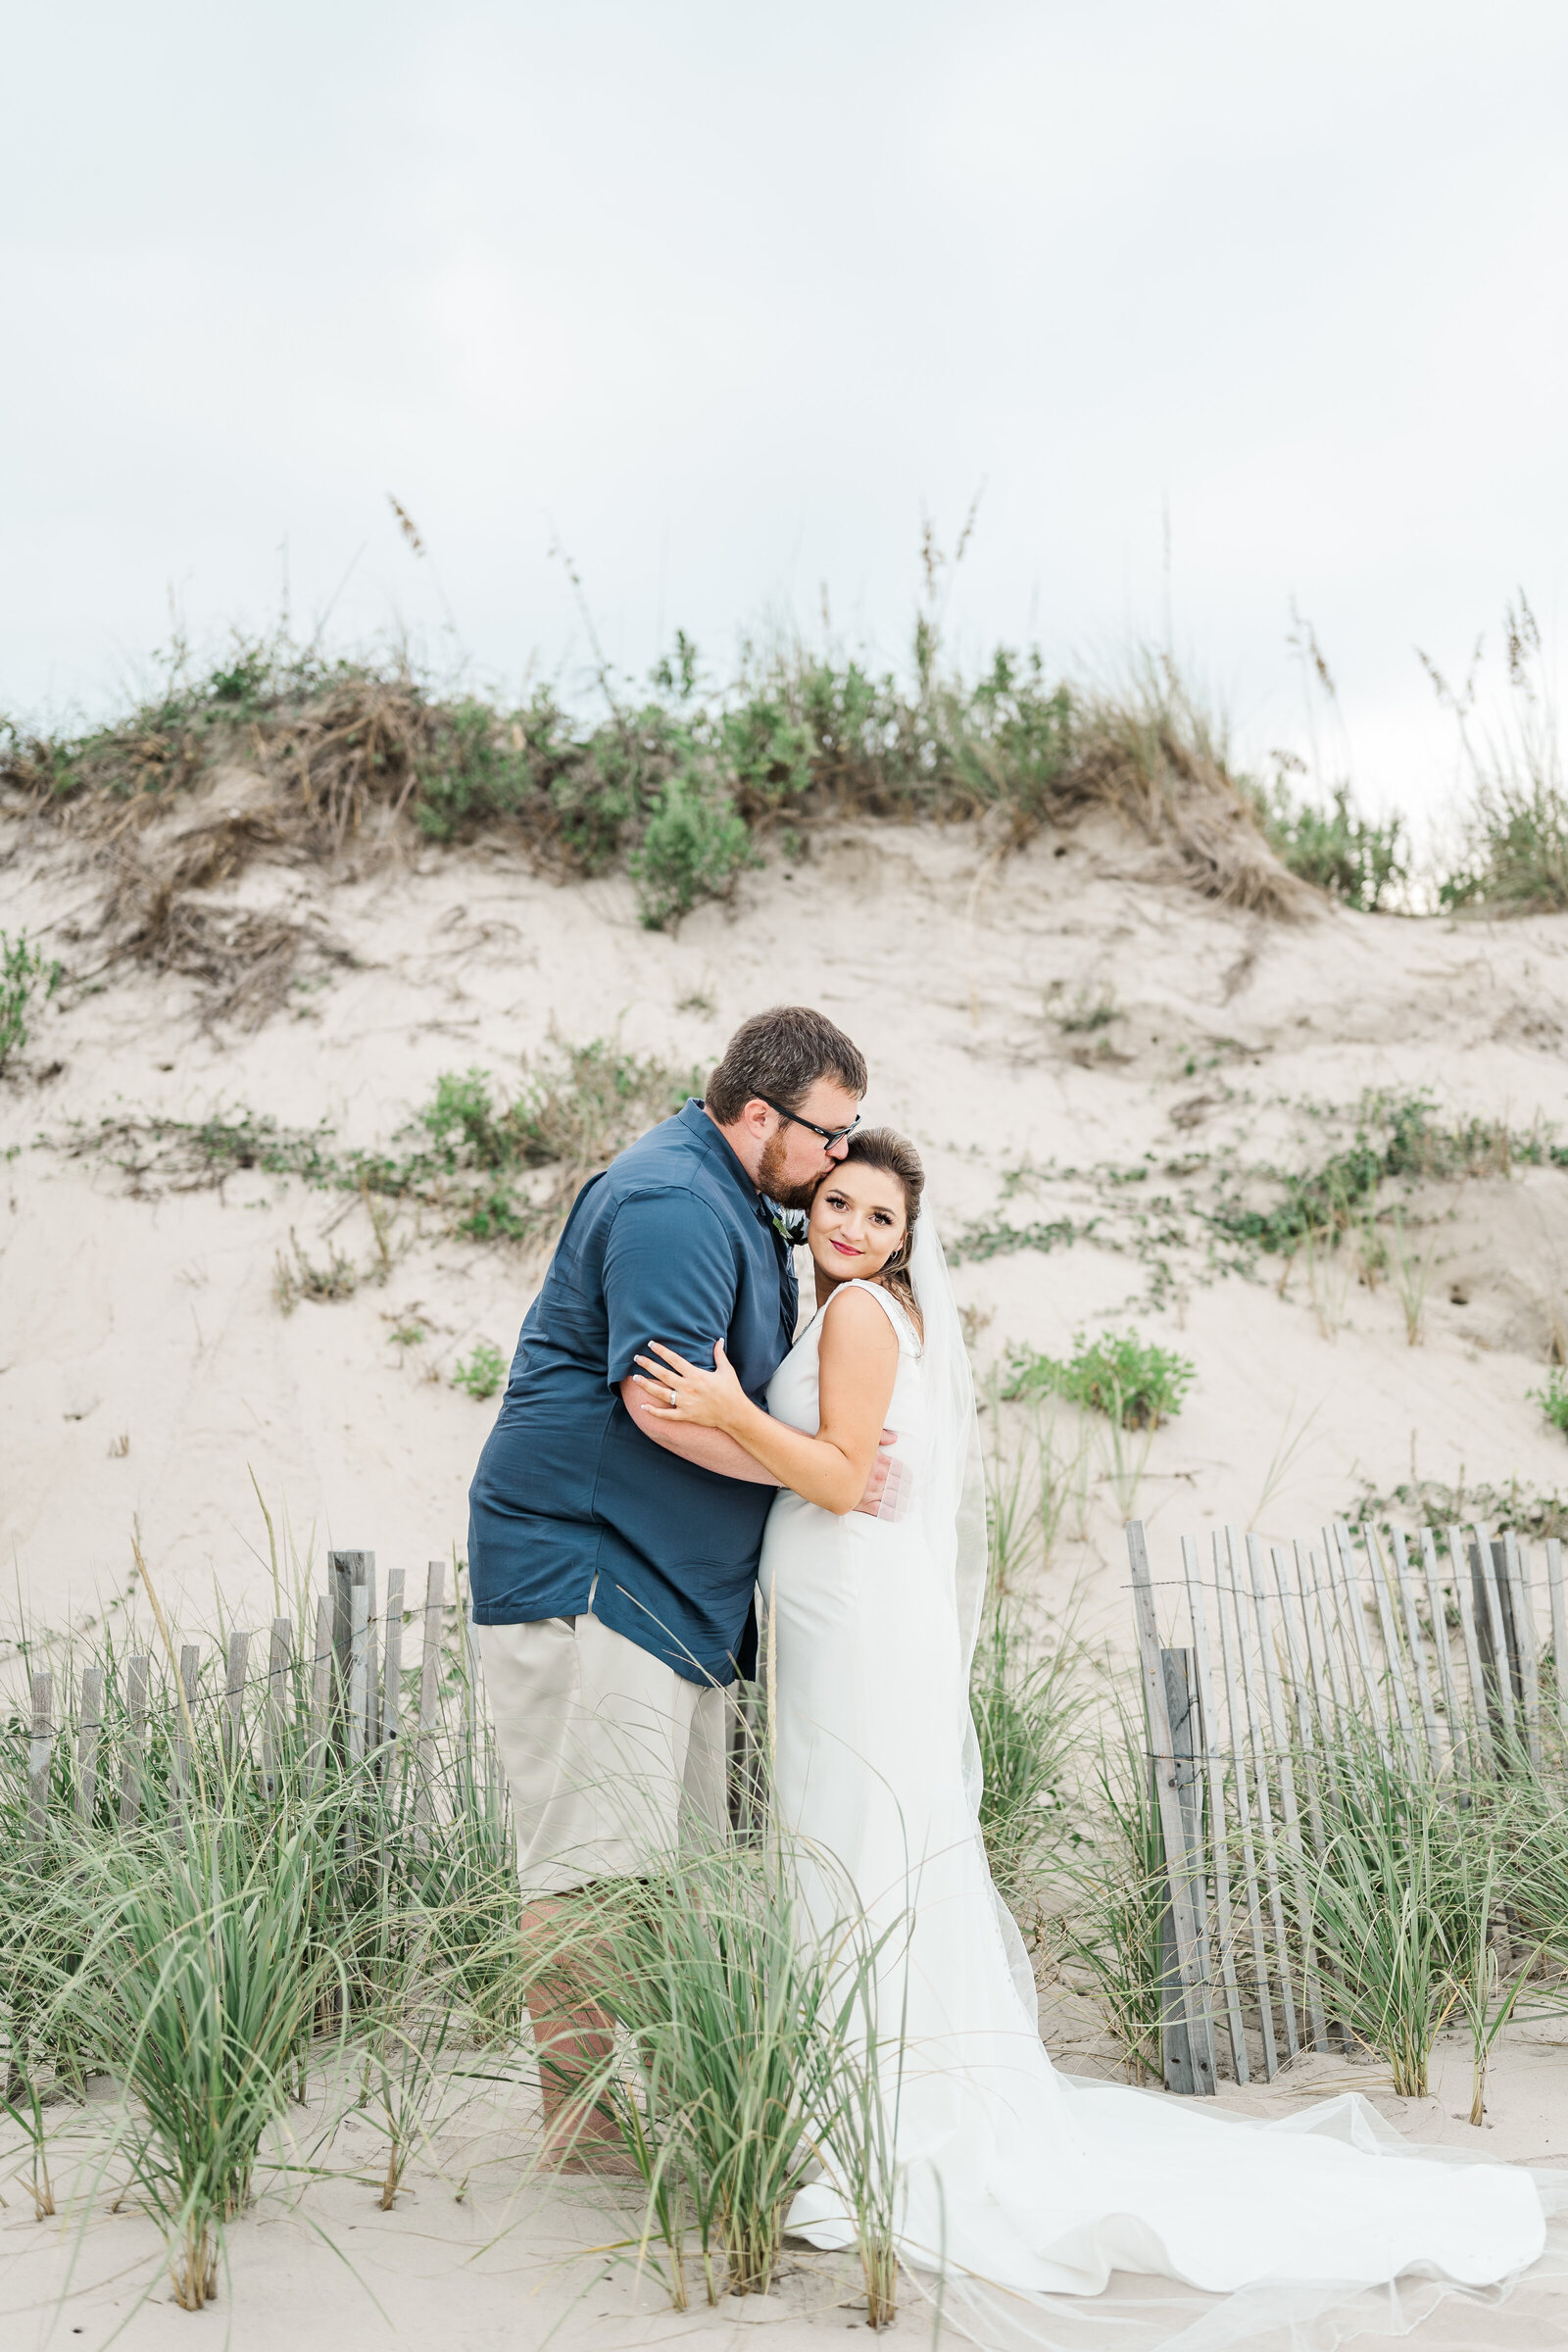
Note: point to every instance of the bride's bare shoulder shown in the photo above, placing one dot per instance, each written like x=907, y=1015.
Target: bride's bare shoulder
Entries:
x=860, y=1323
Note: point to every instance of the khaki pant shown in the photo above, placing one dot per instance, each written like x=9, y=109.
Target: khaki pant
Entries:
x=611, y=1757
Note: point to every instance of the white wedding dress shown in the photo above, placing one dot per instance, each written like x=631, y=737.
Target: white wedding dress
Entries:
x=1033, y=2195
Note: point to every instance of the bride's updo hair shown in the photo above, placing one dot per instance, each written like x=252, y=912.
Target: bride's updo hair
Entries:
x=885, y=1148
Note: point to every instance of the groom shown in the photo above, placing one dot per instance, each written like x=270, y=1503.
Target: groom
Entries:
x=612, y=1556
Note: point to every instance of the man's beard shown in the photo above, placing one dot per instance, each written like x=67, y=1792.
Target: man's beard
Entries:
x=771, y=1179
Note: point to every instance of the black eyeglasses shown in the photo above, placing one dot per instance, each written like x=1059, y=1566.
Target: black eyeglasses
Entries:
x=829, y=1134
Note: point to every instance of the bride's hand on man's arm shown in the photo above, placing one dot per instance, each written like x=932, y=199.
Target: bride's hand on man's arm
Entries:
x=681, y=1391
x=678, y=1390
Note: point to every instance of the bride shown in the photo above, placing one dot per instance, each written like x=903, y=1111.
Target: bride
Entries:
x=1012, y=2173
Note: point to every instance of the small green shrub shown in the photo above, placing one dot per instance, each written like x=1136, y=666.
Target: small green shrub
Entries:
x=22, y=971
x=1334, y=849
x=1136, y=1384
x=481, y=1373
x=1553, y=1399
x=767, y=750
x=693, y=847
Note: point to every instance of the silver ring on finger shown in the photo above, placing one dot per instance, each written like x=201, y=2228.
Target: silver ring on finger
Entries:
x=674, y=1397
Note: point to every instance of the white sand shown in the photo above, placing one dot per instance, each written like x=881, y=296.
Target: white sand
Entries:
x=152, y=1320
x=476, y=2256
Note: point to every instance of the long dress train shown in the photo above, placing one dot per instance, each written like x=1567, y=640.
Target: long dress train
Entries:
x=1043, y=2185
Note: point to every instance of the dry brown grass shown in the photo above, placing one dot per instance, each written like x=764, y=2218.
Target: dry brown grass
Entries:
x=312, y=773
x=1148, y=757
x=174, y=814
x=345, y=766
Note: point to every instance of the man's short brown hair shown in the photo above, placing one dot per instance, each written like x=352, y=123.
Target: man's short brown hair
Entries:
x=781, y=1054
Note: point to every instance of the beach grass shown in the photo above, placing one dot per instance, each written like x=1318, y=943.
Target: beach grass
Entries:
x=25, y=973
x=1114, y=1881
x=750, y=2054
x=681, y=782
x=1026, y=1700
x=1512, y=854
x=487, y=1162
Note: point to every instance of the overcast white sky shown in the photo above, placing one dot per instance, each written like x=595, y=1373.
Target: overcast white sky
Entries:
x=728, y=297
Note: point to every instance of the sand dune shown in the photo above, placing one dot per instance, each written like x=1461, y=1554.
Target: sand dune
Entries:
x=1050, y=1007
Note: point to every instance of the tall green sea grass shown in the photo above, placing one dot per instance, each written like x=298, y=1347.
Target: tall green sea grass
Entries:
x=1513, y=831
x=1115, y=1876
x=1395, y=1903
x=200, y=1987
x=270, y=1907
x=283, y=1914
x=751, y=2055
x=1026, y=1697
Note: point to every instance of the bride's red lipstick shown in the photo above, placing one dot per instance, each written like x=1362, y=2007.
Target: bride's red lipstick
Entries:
x=844, y=1248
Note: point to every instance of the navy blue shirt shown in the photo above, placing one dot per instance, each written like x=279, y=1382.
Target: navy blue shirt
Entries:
x=570, y=1500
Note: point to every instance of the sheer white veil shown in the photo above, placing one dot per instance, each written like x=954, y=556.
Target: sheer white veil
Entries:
x=950, y=1499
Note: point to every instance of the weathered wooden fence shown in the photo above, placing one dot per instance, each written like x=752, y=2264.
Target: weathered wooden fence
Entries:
x=281, y=1706
x=1264, y=1663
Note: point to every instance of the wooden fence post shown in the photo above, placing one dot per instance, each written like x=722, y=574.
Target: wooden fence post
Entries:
x=345, y=1571
x=1390, y=1634
x=1244, y=1815
x=1308, y=1683
x=235, y=1702
x=359, y=1628
x=470, y=1688
x=1327, y=1609
x=40, y=1753
x=1559, y=1627
x=1356, y=1612
x=320, y=1696
x=133, y=1751
x=1183, y=2066
x=88, y=1724
x=1263, y=1793
x=1475, y=1675
x=1280, y=1735
x=1219, y=1826
x=1405, y=1580
x=1516, y=1563
x=1493, y=1633
x=190, y=1658
x=274, y=1718
x=372, y=1679
x=391, y=1667
x=430, y=1691
x=1440, y=1643
x=1170, y=1780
